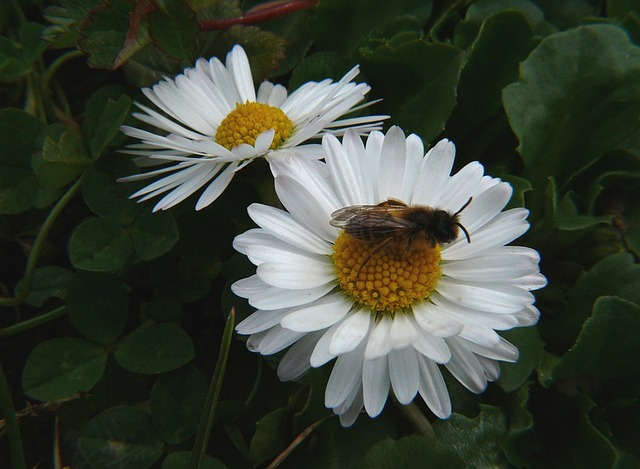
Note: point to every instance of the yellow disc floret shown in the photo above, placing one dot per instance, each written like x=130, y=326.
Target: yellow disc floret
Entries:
x=248, y=120
x=388, y=276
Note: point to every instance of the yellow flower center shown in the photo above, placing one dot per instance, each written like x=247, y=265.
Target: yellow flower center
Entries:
x=248, y=120
x=390, y=276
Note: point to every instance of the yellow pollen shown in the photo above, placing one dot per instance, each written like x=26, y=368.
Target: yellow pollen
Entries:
x=248, y=120
x=387, y=277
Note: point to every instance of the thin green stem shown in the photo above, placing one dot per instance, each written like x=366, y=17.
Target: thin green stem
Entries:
x=209, y=411
x=39, y=243
x=417, y=419
x=13, y=430
x=33, y=322
x=256, y=384
x=48, y=75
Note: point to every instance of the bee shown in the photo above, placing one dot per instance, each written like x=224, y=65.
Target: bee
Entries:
x=393, y=220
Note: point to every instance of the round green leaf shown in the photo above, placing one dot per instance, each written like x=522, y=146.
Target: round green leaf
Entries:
x=108, y=198
x=407, y=452
x=577, y=98
x=155, y=349
x=269, y=439
x=99, y=245
x=177, y=399
x=411, y=65
x=48, y=282
x=121, y=437
x=531, y=349
x=153, y=234
x=18, y=189
x=60, y=368
x=182, y=459
x=98, y=306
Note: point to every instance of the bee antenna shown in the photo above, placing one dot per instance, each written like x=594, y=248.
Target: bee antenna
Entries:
x=464, y=230
x=461, y=209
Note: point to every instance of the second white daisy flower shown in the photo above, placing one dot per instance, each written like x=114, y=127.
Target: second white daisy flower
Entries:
x=211, y=123
x=389, y=308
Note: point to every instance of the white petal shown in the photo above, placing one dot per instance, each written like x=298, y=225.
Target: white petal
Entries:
x=503, y=350
x=321, y=314
x=431, y=319
x=296, y=276
x=404, y=374
x=217, y=187
x=275, y=298
x=433, y=389
x=504, y=228
x=465, y=367
x=392, y=164
x=375, y=385
x=261, y=321
x=278, y=339
x=246, y=287
x=321, y=354
x=494, y=298
x=485, y=206
x=403, y=332
x=295, y=362
x=349, y=415
x=282, y=225
x=350, y=333
x=379, y=344
x=432, y=347
x=491, y=267
x=310, y=212
x=238, y=64
x=345, y=377
x=435, y=171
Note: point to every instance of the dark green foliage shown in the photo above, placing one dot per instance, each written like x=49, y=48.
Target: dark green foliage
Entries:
x=111, y=316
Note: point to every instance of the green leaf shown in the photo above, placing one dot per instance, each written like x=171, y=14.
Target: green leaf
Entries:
x=106, y=111
x=18, y=185
x=62, y=367
x=477, y=441
x=149, y=66
x=615, y=275
x=98, y=306
x=577, y=98
x=18, y=190
x=33, y=46
x=567, y=13
x=108, y=198
x=174, y=29
x=18, y=131
x=570, y=220
x=48, y=282
x=155, y=349
x=153, y=234
x=62, y=159
x=113, y=33
x=531, y=348
x=318, y=67
x=264, y=49
x=479, y=11
x=65, y=17
x=431, y=71
x=357, y=18
x=176, y=403
x=407, y=452
x=182, y=459
x=12, y=62
x=99, y=245
x=269, y=438
x=121, y=437
x=607, y=347
x=505, y=39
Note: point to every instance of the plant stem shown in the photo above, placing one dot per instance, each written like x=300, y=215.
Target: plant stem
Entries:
x=13, y=430
x=204, y=428
x=33, y=322
x=417, y=419
x=45, y=84
x=263, y=12
x=39, y=242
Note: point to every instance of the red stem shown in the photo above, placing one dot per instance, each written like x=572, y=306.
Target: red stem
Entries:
x=264, y=12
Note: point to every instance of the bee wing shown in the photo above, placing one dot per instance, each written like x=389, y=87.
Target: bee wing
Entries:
x=366, y=221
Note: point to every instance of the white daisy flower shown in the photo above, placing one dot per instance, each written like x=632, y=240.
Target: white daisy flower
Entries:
x=390, y=306
x=212, y=123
